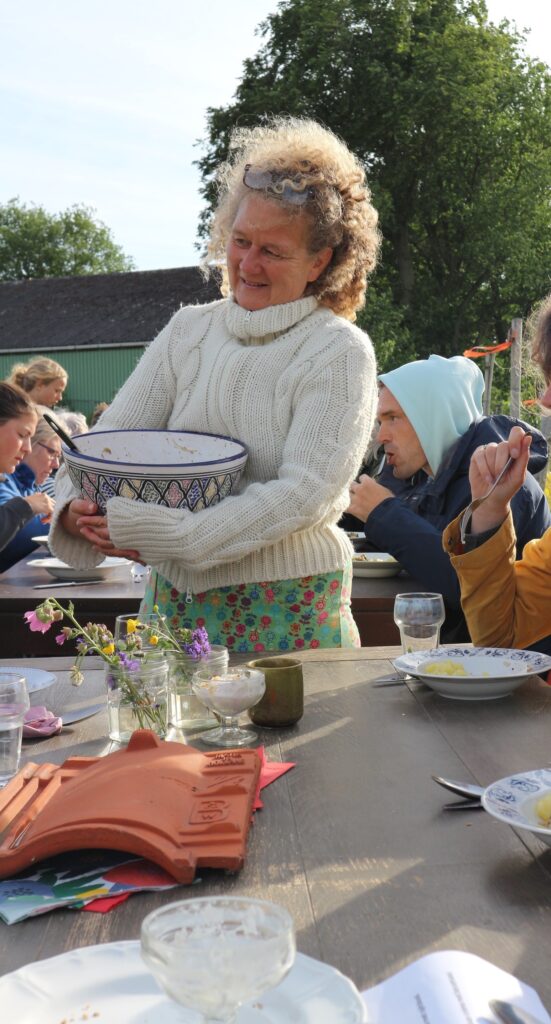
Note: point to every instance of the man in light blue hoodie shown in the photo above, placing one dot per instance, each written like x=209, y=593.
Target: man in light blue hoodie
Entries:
x=430, y=422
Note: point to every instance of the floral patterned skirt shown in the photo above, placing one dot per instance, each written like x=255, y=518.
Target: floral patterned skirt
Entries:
x=288, y=615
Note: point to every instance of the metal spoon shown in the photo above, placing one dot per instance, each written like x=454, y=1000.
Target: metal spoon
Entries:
x=467, y=789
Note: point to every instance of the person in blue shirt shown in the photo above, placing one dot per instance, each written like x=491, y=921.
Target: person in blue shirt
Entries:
x=430, y=422
x=28, y=467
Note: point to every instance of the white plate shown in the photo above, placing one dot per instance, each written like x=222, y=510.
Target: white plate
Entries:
x=36, y=678
x=61, y=571
x=491, y=671
x=111, y=984
x=513, y=800
x=41, y=540
x=375, y=563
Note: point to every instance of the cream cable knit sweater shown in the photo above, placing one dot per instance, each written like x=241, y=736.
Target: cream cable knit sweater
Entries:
x=297, y=385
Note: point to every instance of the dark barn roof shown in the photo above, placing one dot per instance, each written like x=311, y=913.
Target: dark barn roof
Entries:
x=96, y=309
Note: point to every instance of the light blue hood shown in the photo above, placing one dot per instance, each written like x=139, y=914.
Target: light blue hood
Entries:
x=440, y=397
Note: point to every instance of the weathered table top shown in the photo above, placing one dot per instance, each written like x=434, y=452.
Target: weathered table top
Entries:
x=354, y=840
x=118, y=594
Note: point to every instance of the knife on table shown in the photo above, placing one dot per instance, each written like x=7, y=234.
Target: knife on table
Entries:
x=80, y=713
x=68, y=583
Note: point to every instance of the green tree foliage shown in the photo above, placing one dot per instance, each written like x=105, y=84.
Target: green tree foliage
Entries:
x=453, y=122
x=35, y=243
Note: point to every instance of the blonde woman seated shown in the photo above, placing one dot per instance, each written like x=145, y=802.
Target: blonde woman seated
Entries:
x=43, y=380
x=506, y=603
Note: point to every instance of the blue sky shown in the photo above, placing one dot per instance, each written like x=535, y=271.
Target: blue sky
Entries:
x=103, y=103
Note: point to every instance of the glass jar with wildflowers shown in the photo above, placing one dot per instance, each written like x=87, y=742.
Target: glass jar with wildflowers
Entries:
x=147, y=667
x=185, y=650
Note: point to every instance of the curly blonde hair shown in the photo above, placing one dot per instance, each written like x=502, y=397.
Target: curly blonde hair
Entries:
x=339, y=213
x=39, y=371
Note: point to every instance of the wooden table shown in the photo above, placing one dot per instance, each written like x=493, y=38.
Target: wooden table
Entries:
x=372, y=605
x=99, y=602
x=354, y=841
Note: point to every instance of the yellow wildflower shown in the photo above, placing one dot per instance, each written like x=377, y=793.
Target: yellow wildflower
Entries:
x=131, y=625
x=108, y=649
x=153, y=639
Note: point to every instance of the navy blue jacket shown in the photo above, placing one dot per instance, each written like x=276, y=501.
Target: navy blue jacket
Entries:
x=20, y=484
x=410, y=525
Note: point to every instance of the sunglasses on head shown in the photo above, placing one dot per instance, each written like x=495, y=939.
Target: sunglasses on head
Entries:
x=279, y=184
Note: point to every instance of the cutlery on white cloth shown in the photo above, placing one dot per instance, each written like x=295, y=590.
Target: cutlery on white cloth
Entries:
x=510, y=1014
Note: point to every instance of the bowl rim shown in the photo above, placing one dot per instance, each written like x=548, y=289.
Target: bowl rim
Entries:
x=77, y=456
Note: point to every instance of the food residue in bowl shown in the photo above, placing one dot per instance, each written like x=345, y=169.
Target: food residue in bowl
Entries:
x=444, y=668
x=543, y=810
x=369, y=557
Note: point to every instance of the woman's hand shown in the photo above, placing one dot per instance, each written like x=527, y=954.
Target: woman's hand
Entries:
x=95, y=529
x=42, y=505
x=72, y=513
x=486, y=464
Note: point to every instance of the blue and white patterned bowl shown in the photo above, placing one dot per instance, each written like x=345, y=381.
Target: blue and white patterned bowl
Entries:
x=513, y=800
x=180, y=469
x=487, y=672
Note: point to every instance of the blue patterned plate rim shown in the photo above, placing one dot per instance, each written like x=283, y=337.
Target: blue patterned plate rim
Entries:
x=504, y=798
x=77, y=456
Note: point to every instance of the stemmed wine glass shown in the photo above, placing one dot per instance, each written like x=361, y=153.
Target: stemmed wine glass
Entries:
x=419, y=617
x=213, y=954
x=229, y=693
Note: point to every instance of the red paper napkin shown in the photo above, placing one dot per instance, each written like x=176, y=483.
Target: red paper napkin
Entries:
x=269, y=772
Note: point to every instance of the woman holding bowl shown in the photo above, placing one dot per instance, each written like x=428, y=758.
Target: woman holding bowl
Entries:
x=278, y=365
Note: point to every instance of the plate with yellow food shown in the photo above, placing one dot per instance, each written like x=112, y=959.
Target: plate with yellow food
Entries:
x=523, y=801
x=375, y=563
x=473, y=673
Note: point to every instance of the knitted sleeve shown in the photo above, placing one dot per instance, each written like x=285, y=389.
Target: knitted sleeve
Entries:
x=333, y=413
x=144, y=401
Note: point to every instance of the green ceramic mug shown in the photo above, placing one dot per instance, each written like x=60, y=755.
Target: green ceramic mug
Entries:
x=283, y=701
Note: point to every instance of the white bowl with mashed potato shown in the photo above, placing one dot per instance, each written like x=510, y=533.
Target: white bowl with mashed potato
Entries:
x=473, y=673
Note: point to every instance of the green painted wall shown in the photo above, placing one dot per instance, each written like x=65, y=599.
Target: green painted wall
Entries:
x=95, y=375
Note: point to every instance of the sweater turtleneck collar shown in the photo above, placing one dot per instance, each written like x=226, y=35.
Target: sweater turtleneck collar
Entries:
x=262, y=325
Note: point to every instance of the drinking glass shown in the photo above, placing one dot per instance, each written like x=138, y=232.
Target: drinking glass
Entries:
x=419, y=617
x=228, y=694
x=213, y=954
x=14, y=701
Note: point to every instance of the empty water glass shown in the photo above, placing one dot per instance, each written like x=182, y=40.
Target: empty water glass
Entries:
x=419, y=617
x=14, y=702
x=213, y=954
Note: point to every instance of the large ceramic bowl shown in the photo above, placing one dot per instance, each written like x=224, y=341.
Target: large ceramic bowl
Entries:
x=181, y=469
